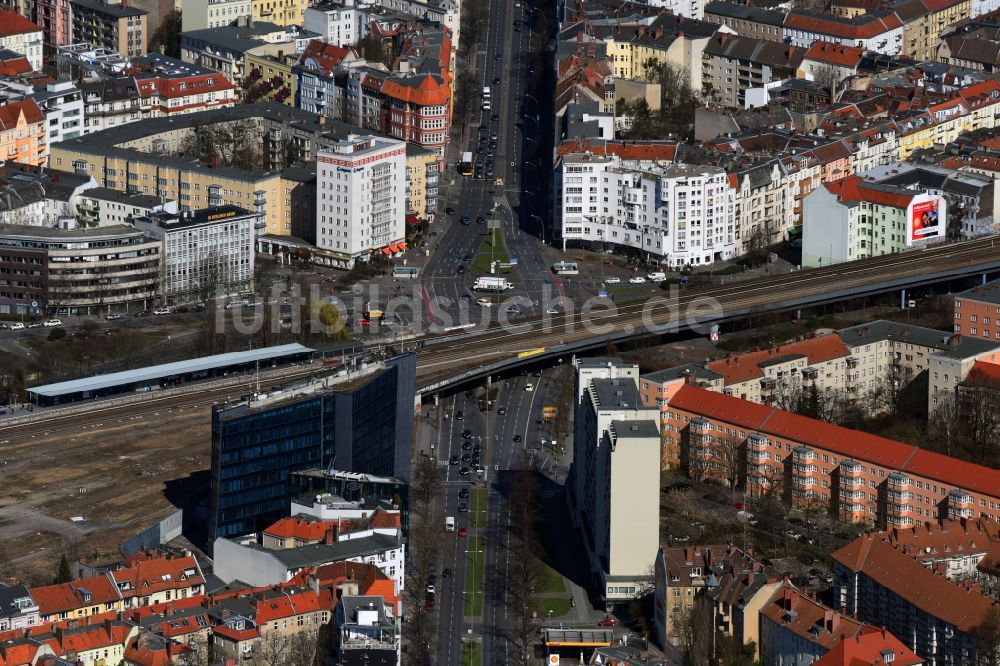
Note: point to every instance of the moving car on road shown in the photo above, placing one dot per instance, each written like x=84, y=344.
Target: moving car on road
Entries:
x=52, y=322
x=638, y=279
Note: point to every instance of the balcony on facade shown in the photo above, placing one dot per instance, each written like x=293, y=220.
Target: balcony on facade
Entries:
x=960, y=505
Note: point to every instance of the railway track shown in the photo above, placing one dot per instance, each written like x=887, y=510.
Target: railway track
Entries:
x=447, y=359
x=59, y=423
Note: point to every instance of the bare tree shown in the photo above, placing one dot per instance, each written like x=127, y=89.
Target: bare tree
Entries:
x=944, y=424
x=695, y=626
x=274, y=648
x=979, y=408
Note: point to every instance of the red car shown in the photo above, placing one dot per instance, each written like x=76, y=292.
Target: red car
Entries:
x=607, y=622
x=739, y=506
x=429, y=606
x=463, y=532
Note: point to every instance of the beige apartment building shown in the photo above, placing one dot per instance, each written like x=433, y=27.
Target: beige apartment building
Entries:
x=421, y=181
x=615, y=477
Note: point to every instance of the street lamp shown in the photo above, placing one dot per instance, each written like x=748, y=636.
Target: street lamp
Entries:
x=541, y=225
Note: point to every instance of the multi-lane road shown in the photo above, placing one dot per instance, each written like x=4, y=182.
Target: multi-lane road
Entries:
x=505, y=57
x=505, y=432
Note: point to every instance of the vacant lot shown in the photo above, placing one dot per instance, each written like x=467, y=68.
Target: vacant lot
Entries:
x=117, y=476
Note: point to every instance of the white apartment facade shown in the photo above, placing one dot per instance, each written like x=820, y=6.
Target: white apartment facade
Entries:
x=25, y=38
x=614, y=482
x=202, y=14
x=208, y=252
x=337, y=24
x=678, y=214
x=360, y=197
x=60, y=101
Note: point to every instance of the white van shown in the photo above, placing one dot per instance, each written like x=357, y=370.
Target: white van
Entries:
x=486, y=92
x=657, y=277
x=529, y=387
x=449, y=524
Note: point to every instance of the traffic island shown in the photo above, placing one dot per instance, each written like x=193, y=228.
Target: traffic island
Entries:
x=472, y=653
x=477, y=508
x=491, y=250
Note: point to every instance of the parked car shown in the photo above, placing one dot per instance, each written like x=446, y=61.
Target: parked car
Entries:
x=607, y=622
x=161, y=311
x=52, y=323
x=484, y=302
x=638, y=279
x=612, y=280
x=114, y=316
x=17, y=326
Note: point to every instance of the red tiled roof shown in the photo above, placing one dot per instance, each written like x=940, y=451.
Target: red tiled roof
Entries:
x=14, y=66
x=857, y=445
x=12, y=23
x=53, y=599
x=429, y=92
x=10, y=112
x=154, y=574
x=835, y=54
x=824, y=24
x=234, y=634
x=742, y=367
x=146, y=653
x=623, y=149
x=170, y=88
x=931, y=592
x=867, y=648
x=980, y=94
x=289, y=605
x=983, y=374
x=382, y=519
x=853, y=189
x=327, y=56
x=304, y=529
x=809, y=620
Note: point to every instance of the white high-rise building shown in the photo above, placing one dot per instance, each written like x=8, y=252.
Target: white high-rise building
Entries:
x=675, y=213
x=614, y=484
x=360, y=198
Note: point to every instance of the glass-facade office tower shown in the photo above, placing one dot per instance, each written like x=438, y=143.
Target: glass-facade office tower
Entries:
x=364, y=425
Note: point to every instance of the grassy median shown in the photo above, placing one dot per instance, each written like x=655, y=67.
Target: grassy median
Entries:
x=472, y=653
x=491, y=249
x=477, y=508
x=475, y=566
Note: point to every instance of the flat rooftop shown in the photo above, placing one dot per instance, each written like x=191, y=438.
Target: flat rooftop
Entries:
x=616, y=394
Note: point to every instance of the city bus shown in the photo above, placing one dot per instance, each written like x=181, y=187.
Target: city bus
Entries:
x=465, y=166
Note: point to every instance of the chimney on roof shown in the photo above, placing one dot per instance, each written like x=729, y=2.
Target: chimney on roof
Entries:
x=831, y=620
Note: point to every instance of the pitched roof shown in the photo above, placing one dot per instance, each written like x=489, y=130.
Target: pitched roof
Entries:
x=303, y=528
x=12, y=111
x=14, y=66
x=428, y=90
x=861, y=27
x=808, y=618
x=627, y=150
x=53, y=599
x=854, y=189
x=869, y=646
x=150, y=573
x=983, y=374
x=870, y=554
x=854, y=444
x=12, y=23
x=743, y=367
x=323, y=57
x=835, y=54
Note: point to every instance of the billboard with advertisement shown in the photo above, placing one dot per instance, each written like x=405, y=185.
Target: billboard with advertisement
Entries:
x=926, y=217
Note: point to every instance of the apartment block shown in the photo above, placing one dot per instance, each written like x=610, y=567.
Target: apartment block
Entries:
x=412, y=103
x=853, y=475
x=18, y=610
x=735, y=585
x=681, y=214
x=422, y=177
x=614, y=478
x=55, y=18
x=977, y=312
x=204, y=14
x=101, y=207
x=853, y=219
x=797, y=630
x=23, y=134
x=114, y=26
x=366, y=633
x=361, y=197
x=732, y=64
x=936, y=618
x=20, y=35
